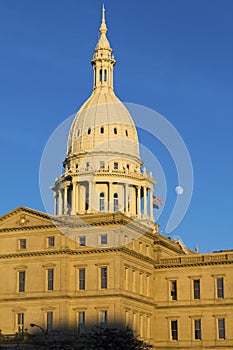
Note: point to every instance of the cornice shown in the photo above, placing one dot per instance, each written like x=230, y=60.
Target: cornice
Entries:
x=27, y=228
x=78, y=297
x=194, y=306
x=77, y=252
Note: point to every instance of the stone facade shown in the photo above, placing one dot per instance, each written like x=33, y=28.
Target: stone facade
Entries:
x=100, y=260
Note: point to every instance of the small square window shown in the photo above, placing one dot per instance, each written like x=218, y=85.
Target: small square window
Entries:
x=51, y=241
x=82, y=241
x=22, y=244
x=104, y=239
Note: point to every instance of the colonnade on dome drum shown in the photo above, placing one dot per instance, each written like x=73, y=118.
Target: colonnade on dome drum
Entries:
x=91, y=194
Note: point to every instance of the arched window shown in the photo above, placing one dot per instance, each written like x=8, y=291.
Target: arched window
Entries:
x=78, y=133
x=115, y=131
x=115, y=202
x=101, y=201
x=101, y=76
x=105, y=75
x=126, y=132
x=89, y=131
x=102, y=130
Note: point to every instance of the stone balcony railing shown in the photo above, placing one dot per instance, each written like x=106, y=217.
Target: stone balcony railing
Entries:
x=198, y=259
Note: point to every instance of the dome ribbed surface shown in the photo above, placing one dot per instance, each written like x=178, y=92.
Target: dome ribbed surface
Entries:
x=103, y=124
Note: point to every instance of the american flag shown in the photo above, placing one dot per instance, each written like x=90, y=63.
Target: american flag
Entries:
x=157, y=200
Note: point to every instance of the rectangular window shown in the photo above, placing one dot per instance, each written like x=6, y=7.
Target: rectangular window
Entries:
x=49, y=320
x=220, y=288
x=221, y=328
x=196, y=289
x=103, y=239
x=50, y=279
x=82, y=241
x=104, y=278
x=82, y=277
x=173, y=286
x=81, y=322
x=197, y=329
x=87, y=166
x=22, y=276
x=20, y=322
x=51, y=241
x=115, y=166
x=103, y=318
x=22, y=244
x=174, y=330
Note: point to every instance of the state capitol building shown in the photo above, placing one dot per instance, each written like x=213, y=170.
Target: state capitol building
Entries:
x=100, y=259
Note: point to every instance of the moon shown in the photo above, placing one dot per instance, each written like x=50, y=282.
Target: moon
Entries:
x=179, y=190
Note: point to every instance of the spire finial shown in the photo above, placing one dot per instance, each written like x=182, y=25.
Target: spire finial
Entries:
x=103, y=27
x=103, y=13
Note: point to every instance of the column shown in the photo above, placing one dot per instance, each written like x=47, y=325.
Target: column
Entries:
x=139, y=202
x=145, y=201
x=60, y=202
x=126, y=207
x=151, y=204
x=77, y=205
x=65, y=199
x=74, y=198
x=55, y=203
x=110, y=197
x=95, y=199
x=89, y=197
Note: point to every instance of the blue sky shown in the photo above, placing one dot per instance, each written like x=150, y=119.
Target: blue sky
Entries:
x=174, y=56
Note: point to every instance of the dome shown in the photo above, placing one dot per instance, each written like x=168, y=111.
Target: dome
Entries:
x=102, y=169
x=103, y=124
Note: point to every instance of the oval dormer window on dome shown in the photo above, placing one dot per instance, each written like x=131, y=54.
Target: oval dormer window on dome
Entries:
x=89, y=131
